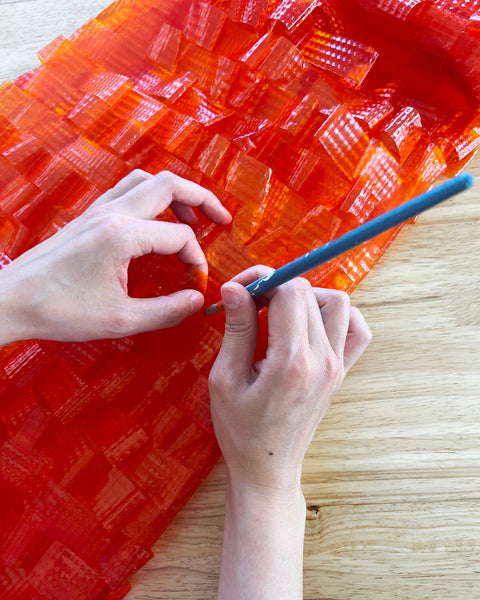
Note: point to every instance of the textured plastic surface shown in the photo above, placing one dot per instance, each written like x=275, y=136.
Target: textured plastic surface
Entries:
x=306, y=118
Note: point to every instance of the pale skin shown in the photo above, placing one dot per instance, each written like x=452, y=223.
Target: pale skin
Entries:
x=73, y=287
x=265, y=415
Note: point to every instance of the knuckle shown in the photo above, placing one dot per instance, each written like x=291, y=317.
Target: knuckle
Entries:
x=112, y=225
x=303, y=283
x=340, y=300
x=261, y=268
x=187, y=232
x=184, y=232
x=167, y=178
x=333, y=366
x=366, y=336
x=214, y=380
x=220, y=380
x=174, y=313
x=120, y=324
x=139, y=174
x=106, y=225
x=298, y=365
x=175, y=317
x=362, y=331
x=297, y=287
x=237, y=328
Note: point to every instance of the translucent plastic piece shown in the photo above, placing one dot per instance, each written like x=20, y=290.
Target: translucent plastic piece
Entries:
x=466, y=54
x=300, y=115
x=423, y=167
x=91, y=115
x=64, y=74
x=48, y=127
x=437, y=27
x=90, y=161
x=111, y=51
x=165, y=47
x=169, y=88
x=197, y=104
x=460, y=147
x=108, y=86
x=12, y=101
x=26, y=155
x=275, y=105
x=173, y=129
x=344, y=140
x=283, y=63
x=226, y=254
x=299, y=17
x=275, y=246
x=49, y=50
x=212, y=156
x=402, y=132
x=371, y=112
x=461, y=8
x=13, y=235
x=360, y=201
x=400, y=9
x=318, y=227
x=204, y=24
x=248, y=179
x=348, y=59
x=382, y=172
x=60, y=574
x=247, y=11
x=249, y=93
x=201, y=63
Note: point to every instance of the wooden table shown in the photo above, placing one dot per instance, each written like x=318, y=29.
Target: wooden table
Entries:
x=392, y=479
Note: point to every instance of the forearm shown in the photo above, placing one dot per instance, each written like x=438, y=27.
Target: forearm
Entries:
x=263, y=545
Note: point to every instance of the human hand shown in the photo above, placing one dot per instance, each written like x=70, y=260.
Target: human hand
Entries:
x=265, y=414
x=73, y=286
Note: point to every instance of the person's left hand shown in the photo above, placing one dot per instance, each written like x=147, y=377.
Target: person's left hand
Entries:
x=73, y=286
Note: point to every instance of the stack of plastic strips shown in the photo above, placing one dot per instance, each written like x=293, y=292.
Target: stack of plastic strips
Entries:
x=306, y=119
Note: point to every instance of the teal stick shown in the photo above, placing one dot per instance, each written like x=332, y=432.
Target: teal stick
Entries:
x=356, y=237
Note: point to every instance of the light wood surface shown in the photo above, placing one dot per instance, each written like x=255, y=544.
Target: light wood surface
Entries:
x=392, y=479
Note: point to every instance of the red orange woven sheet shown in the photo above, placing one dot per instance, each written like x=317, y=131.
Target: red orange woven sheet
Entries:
x=306, y=118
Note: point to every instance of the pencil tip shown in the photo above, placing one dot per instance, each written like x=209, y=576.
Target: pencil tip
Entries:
x=214, y=309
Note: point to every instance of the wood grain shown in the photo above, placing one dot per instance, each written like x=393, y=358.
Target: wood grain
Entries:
x=392, y=478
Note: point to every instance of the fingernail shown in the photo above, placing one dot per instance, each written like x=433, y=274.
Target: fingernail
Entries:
x=231, y=298
x=196, y=302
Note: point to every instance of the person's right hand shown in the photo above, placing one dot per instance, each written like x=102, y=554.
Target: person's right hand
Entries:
x=265, y=414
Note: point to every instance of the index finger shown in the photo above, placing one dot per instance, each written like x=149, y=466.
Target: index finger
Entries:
x=152, y=196
x=166, y=238
x=293, y=310
x=294, y=321
x=288, y=309
x=252, y=274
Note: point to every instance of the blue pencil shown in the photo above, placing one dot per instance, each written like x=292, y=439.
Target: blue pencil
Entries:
x=355, y=237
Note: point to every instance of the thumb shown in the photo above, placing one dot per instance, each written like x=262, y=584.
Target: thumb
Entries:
x=147, y=314
x=241, y=328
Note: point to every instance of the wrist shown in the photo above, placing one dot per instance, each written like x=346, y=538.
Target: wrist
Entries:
x=14, y=309
x=286, y=495
x=271, y=478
